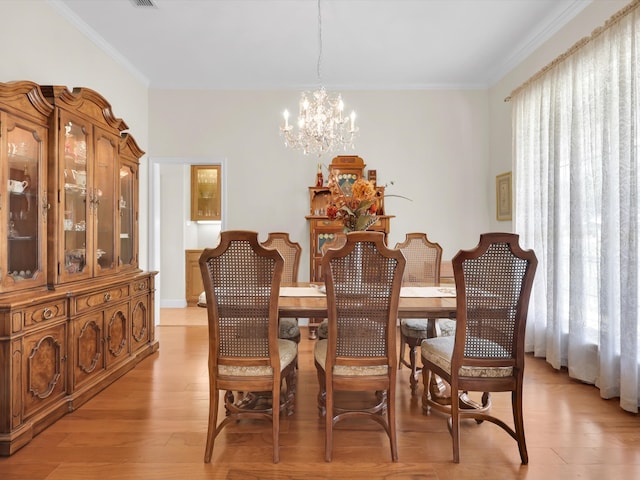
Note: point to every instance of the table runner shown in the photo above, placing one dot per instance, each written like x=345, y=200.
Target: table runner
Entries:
x=422, y=292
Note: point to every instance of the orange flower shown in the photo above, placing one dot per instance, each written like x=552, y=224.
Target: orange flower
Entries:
x=363, y=190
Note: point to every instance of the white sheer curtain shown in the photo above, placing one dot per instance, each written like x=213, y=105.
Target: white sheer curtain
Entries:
x=576, y=148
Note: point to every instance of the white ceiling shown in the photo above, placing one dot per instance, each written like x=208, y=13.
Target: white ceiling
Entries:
x=366, y=44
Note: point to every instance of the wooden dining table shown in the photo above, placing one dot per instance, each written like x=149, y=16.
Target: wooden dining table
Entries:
x=307, y=300
x=417, y=300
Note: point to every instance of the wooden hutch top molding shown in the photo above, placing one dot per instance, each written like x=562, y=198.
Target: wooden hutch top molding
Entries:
x=351, y=162
x=26, y=98
x=85, y=101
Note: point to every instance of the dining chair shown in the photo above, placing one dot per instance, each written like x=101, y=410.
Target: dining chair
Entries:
x=242, y=284
x=337, y=241
x=493, y=286
x=363, y=280
x=423, y=266
x=291, y=252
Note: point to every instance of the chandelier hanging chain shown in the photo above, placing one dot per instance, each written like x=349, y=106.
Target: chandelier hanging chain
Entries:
x=319, y=64
x=321, y=127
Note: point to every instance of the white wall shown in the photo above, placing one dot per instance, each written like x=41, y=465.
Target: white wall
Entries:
x=433, y=144
x=592, y=17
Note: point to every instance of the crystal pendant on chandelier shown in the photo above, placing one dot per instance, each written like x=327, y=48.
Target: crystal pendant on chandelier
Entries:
x=322, y=129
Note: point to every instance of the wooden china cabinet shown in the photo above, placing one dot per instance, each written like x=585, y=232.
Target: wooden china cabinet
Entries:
x=76, y=311
x=321, y=228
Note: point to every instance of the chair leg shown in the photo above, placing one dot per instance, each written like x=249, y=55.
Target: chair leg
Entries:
x=518, y=421
x=291, y=384
x=455, y=430
x=391, y=419
x=322, y=391
x=328, y=422
x=403, y=342
x=275, y=418
x=213, y=422
x=413, y=375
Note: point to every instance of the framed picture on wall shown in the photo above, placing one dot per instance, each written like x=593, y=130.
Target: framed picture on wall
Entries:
x=503, y=196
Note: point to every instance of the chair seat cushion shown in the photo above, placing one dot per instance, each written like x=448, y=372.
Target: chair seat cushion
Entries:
x=447, y=327
x=323, y=329
x=288, y=329
x=320, y=355
x=439, y=351
x=417, y=327
x=288, y=353
x=414, y=327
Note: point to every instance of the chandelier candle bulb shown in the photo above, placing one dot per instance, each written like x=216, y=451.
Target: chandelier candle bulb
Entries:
x=286, y=120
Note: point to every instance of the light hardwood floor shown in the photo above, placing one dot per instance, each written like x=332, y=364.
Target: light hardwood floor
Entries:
x=151, y=424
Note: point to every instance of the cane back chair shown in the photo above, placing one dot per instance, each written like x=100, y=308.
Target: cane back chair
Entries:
x=291, y=252
x=423, y=266
x=363, y=280
x=493, y=286
x=336, y=242
x=242, y=282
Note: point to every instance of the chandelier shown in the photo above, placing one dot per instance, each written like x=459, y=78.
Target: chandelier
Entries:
x=322, y=128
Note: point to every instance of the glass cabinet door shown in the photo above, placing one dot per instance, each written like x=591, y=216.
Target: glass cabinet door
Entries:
x=205, y=192
x=25, y=213
x=103, y=200
x=75, y=143
x=127, y=215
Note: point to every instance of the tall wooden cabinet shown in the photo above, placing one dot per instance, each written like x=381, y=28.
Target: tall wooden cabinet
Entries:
x=321, y=228
x=76, y=311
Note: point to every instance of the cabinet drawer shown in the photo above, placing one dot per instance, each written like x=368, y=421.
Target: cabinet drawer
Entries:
x=87, y=302
x=45, y=312
x=140, y=285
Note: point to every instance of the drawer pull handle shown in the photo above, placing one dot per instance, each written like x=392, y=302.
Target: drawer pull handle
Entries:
x=142, y=286
x=47, y=314
x=107, y=297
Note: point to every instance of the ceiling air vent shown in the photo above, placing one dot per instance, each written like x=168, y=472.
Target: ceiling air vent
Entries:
x=144, y=3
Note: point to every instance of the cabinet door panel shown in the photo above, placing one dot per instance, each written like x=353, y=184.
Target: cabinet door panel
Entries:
x=126, y=205
x=140, y=322
x=103, y=198
x=44, y=363
x=193, y=276
x=24, y=223
x=88, y=335
x=76, y=148
x=116, y=330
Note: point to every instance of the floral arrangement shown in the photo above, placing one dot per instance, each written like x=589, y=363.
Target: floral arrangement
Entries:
x=355, y=204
